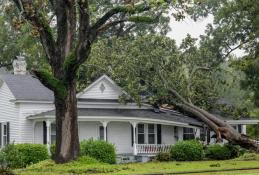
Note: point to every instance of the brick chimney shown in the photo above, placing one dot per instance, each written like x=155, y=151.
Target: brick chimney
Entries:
x=19, y=66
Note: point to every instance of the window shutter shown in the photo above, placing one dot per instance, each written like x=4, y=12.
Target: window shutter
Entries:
x=159, y=138
x=44, y=132
x=132, y=135
x=8, y=132
x=1, y=135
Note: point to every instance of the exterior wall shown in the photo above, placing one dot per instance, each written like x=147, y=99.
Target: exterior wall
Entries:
x=119, y=133
x=109, y=92
x=88, y=130
x=26, y=126
x=9, y=112
x=167, y=133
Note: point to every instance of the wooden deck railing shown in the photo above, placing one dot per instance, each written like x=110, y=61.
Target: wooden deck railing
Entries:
x=152, y=148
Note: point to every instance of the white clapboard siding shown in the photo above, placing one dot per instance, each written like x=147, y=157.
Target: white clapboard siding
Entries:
x=9, y=112
x=167, y=134
x=119, y=134
x=103, y=88
x=26, y=126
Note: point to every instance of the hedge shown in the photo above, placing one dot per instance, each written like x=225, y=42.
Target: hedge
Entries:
x=98, y=149
x=187, y=151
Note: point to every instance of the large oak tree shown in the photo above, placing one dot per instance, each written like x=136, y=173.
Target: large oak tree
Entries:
x=67, y=29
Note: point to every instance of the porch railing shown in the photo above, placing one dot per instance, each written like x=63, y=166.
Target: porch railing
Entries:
x=152, y=148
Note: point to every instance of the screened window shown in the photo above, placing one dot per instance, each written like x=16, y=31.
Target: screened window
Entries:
x=53, y=134
x=101, y=133
x=176, y=133
x=5, y=134
x=151, y=134
x=188, y=133
x=141, y=133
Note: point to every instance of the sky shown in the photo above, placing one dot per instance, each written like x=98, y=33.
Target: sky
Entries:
x=182, y=28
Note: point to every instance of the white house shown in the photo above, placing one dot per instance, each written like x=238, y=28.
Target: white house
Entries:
x=27, y=115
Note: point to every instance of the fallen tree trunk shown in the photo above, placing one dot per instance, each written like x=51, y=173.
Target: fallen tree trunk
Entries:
x=222, y=129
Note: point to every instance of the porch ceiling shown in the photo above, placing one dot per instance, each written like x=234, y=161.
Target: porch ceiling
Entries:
x=147, y=115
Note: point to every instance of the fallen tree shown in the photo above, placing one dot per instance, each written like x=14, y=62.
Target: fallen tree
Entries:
x=222, y=129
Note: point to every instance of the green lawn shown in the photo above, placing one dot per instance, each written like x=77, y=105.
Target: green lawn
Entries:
x=88, y=166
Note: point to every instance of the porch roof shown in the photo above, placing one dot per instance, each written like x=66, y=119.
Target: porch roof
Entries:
x=134, y=114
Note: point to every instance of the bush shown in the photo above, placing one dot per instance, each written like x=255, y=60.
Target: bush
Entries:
x=218, y=152
x=248, y=157
x=21, y=155
x=98, y=149
x=163, y=156
x=235, y=150
x=52, y=151
x=187, y=151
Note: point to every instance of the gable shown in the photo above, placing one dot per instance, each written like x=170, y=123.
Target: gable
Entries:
x=102, y=88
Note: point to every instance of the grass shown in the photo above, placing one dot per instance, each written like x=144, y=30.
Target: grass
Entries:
x=86, y=165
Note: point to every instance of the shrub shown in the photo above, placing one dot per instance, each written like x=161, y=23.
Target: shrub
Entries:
x=21, y=155
x=163, y=156
x=235, y=150
x=218, y=152
x=98, y=149
x=52, y=151
x=187, y=151
x=248, y=157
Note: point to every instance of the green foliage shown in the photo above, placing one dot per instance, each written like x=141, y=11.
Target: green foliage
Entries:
x=142, y=19
x=222, y=152
x=98, y=149
x=83, y=165
x=248, y=157
x=163, y=156
x=52, y=151
x=187, y=151
x=55, y=84
x=22, y=155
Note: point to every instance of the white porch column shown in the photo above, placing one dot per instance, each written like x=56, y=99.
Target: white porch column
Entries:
x=197, y=133
x=48, y=125
x=134, y=125
x=243, y=129
x=105, y=123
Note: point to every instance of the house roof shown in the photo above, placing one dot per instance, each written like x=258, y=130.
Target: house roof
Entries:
x=172, y=116
x=26, y=87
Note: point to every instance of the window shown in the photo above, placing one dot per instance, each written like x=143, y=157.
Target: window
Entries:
x=141, y=133
x=53, y=134
x=188, y=133
x=151, y=134
x=176, y=133
x=4, y=133
x=101, y=133
x=147, y=133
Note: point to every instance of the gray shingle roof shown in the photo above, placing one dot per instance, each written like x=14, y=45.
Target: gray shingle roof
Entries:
x=173, y=116
x=26, y=87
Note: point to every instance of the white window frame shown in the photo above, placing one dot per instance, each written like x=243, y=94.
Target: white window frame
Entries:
x=4, y=136
x=188, y=133
x=53, y=133
x=146, y=133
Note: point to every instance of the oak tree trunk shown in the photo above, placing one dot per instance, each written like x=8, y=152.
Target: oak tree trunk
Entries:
x=67, y=140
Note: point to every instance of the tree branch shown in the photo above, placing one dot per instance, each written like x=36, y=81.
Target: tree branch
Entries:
x=38, y=21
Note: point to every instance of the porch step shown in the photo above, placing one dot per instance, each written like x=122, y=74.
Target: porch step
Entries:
x=125, y=159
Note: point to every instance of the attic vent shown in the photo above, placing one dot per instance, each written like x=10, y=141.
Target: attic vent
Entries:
x=102, y=87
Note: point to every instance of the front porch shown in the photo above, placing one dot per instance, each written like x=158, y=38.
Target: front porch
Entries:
x=129, y=137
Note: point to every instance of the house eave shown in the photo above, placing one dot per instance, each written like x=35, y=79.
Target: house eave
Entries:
x=117, y=119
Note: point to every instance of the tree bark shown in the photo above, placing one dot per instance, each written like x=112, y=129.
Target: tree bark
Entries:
x=222, y=129
x=67, y=140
